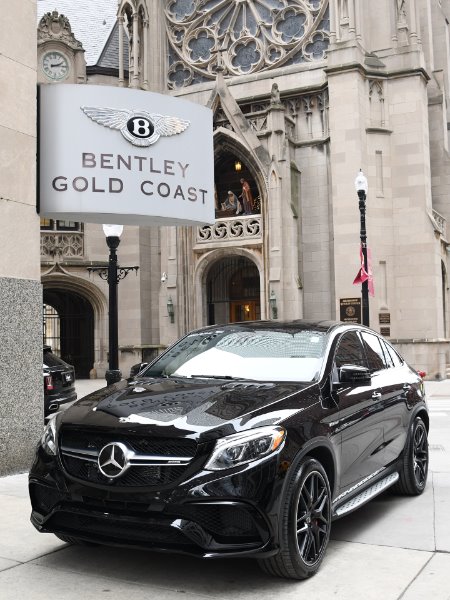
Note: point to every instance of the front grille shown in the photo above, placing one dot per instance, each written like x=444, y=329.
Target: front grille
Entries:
x=134, y=477
x=161, y=446
x=89, y=444
x=150, y=532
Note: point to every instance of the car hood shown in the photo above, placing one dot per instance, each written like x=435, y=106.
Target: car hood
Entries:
x=196, y=408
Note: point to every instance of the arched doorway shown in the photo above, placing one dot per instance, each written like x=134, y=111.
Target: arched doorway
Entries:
x=233, y=291
x=236, y=191
x=69, y=328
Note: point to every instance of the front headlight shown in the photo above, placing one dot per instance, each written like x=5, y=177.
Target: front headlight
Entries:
x=241, y=448
x=48, y=439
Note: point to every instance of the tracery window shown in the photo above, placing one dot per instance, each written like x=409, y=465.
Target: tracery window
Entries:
x=245, y=35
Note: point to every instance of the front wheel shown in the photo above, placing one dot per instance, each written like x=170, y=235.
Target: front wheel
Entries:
x=414, y=468
x=305, y=523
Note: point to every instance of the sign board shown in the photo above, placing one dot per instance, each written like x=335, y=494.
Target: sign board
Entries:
x=384, y=318
x=350, y=310
x=117, y=155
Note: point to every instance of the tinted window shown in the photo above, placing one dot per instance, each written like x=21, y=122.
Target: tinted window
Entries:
x=51, y=360
x=395, y=358
x=374, y=352
x=350, y=351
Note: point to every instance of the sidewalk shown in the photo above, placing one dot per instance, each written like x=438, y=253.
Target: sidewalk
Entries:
x=392, y=548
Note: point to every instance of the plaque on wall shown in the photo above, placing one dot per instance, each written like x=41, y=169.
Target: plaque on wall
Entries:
x=384, y=318
x=350, y=310
x=385, y=331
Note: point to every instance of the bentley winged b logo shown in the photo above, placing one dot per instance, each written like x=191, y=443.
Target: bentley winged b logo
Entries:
x=139, y=127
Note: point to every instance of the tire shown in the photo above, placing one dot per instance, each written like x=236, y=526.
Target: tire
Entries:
x=304, y=522
x=414, y=467
x=73, y=540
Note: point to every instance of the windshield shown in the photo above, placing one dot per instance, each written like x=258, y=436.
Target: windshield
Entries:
x=259, y=355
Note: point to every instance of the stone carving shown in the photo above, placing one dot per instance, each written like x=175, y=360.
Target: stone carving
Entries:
x=401, y=11
x=61, y=245
x=244, y=36
x=309, y=113
x=231, y=230
x=54, y=26
x=275, y=99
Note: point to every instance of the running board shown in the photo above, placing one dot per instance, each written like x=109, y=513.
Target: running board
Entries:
x=367, y=494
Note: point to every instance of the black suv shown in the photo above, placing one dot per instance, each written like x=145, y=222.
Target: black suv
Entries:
x=240, y=440
x=59, y=382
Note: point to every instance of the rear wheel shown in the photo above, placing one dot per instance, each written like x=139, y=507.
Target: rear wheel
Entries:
x=414, y=468
x=305, y=522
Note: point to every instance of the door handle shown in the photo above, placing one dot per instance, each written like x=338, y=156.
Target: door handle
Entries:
x=376, y=396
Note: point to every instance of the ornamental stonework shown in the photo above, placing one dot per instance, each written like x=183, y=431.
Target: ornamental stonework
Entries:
x=54, y=26
x=242, y=36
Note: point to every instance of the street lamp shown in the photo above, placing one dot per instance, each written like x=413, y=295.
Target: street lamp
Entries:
x=170, y=309
x=361, y=188
x=113, y=274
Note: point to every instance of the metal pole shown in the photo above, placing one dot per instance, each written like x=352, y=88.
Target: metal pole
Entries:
x=363, y=237
x=113, y=374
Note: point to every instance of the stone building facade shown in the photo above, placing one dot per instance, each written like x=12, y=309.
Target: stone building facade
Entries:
x=305, y=93
x=21, y=386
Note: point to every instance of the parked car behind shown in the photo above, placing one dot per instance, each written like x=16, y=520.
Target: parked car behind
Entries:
x=240, y=440
x=59, y=383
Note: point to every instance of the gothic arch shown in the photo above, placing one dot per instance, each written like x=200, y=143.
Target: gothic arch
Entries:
x=64, y=283
x=228, y=141
x=207, y=261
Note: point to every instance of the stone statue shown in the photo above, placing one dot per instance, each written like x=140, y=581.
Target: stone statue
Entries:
x=275, y=95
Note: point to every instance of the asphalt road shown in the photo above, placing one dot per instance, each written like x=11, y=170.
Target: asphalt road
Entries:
x=393, y=548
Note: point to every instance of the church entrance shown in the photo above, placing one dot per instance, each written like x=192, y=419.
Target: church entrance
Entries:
x=68, y=320
x=233, y=291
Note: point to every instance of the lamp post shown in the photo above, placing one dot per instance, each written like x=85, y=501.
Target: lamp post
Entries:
x=361, y=189
x=112, y=274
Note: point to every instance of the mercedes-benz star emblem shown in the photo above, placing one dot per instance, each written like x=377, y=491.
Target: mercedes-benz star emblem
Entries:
x=139, y=127
x=113, y=460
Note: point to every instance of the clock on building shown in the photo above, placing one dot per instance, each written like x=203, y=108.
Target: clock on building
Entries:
x=55, y=65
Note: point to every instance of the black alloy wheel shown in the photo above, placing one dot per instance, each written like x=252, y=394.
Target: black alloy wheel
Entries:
x=313, y=522
x=305, y=523
x=414, y=469
x=420, y=455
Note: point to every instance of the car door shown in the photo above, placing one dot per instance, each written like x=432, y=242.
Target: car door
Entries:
x=360, y=415
x=398, y=386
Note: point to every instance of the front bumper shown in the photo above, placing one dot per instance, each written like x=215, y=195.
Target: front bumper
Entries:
x=209, y=515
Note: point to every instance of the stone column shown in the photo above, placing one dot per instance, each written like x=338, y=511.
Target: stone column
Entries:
x=120, y=20
x=146, y=57
x=135, y=50
x=21, y=384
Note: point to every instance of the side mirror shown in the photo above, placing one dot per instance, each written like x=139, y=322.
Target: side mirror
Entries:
x=135, y=369
x=354, y=375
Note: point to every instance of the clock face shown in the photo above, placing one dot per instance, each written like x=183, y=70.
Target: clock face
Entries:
x=55, y=65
